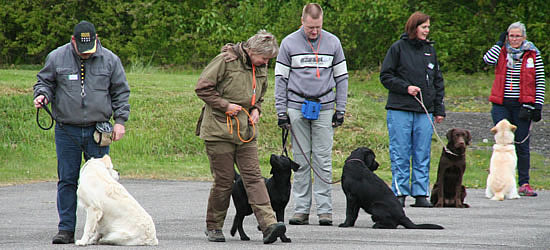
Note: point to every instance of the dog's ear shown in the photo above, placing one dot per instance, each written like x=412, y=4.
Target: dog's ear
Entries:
x=107, y=161
x=468, y=137
x=513, y=127
x=494, y=130
x=370, y=157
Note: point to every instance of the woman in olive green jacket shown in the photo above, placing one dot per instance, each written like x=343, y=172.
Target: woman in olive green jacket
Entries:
x=233, y=86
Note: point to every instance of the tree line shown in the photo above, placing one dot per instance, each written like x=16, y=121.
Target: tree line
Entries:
x=191, y=32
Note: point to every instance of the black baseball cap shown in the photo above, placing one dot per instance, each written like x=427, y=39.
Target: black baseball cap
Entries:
x=85, y=37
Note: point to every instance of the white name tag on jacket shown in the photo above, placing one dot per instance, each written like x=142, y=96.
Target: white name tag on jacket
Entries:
x=430, y=65
x=530, y=63
x=73, y=77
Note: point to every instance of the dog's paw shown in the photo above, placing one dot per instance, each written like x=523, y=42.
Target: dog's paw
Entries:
x=345, y=225
x=285, y=239
x=80, y=243
x=245, y=238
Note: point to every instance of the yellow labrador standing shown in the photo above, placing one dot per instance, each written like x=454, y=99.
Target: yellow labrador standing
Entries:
x=501, y=182
x=113, y=216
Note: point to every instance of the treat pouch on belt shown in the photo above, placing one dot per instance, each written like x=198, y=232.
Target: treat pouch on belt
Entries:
x=103, y=133
x=311, y=107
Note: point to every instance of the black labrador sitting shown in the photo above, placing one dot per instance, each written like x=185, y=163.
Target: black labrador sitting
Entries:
x=364, y=189
x=448, y=190
x=278, y=187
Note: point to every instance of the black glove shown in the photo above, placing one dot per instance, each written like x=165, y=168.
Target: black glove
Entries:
x=283, y=121
x=502, y=38
x=536, y=115
x=337, y=119
x=526, y=111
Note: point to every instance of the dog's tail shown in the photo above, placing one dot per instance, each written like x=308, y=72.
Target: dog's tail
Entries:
x=407, y=223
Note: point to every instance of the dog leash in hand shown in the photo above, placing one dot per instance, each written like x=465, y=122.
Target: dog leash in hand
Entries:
x=284, y=135
x=61, y=126
x=421, y=101
x=308, y=162
x=230, y=125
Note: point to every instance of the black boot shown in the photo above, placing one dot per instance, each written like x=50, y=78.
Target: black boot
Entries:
x=421, y=201
x=401, y=200
x=63, y=237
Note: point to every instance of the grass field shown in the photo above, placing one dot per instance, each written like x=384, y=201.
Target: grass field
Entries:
x=160, y=141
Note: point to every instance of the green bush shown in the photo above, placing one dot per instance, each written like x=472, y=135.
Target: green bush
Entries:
x=189, y=33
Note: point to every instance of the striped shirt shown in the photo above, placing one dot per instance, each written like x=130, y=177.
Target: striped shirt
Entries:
x=511, y=89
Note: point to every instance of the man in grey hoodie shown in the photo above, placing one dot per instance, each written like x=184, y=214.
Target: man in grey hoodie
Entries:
x=86, y=84
x=311, y=83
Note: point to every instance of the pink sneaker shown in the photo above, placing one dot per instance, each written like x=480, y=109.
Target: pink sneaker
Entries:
x=526, y=190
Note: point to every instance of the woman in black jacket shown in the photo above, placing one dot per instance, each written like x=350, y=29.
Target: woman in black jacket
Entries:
x=410, y=72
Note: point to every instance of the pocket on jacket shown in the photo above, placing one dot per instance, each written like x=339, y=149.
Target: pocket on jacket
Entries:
x=100, y=78
x=67, y=79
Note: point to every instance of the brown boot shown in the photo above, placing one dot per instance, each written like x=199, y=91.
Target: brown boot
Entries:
x=299, y=219
x=325, y=219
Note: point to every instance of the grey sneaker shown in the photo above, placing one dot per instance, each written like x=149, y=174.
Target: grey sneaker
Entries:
x=325, y=219
x=273, y=232
x=299, y=219
x=215, y=235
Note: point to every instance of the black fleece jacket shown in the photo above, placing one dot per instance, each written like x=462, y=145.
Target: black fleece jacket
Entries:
x=413, y=62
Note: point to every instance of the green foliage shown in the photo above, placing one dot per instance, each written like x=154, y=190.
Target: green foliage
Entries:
x=189, y=33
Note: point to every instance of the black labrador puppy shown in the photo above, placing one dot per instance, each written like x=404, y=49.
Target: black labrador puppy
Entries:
x=448, y=190
x=366, y=190
x=278, y=187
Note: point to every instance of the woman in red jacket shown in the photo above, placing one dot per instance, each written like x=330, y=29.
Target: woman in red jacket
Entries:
x=518, y=91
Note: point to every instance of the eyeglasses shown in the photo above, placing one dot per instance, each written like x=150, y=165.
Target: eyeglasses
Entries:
x=515, y=37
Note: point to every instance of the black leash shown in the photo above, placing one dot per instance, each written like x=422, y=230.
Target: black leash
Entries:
x=308, y=162
x=284, y=135
x=61, y=126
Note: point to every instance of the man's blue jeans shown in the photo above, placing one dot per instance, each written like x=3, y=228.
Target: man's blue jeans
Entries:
x=69, y=158
x=510, y=110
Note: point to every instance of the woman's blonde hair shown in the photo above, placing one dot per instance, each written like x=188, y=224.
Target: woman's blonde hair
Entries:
x=263, y=43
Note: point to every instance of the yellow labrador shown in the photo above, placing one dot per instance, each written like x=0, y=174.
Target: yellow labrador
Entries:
x=501, y=182
x=113, y=216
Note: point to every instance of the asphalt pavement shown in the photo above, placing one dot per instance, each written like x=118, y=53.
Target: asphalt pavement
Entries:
x=28, y=220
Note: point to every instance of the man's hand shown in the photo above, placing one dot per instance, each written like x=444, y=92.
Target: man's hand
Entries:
x=118, y=132
x=413, y=90
x=337, y=119
x=439, y=119
x=283, y=121
x=39, y=100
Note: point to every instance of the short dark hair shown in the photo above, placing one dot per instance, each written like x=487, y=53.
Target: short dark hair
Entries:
x=313, y=10
x=416, y=19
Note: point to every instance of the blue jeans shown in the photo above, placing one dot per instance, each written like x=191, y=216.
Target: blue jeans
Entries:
x=410, y=135
x=69, y=158
x=510, y=110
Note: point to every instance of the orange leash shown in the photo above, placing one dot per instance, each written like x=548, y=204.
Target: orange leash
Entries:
x=230, y=126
